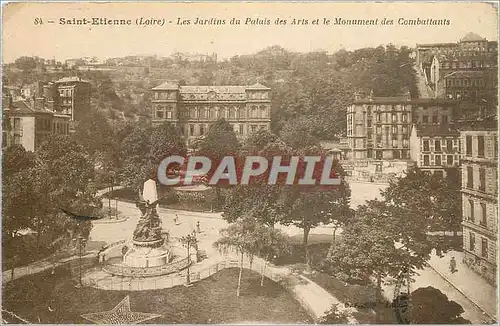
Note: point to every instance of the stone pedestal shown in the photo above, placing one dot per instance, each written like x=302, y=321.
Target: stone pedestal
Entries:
x=144, y=256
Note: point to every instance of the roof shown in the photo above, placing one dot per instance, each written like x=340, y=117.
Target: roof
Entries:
x=71, y=80
x=165, y=87
x=432, y=45
x=258, y=86
x=472, y=37
x=217, y=89
x=25, y=107
x=465, y=74
x=335, y=146
x=206, y=89
x=436, y=130
x=404, y=100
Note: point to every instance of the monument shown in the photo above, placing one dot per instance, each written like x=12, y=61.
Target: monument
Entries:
x=149, y=247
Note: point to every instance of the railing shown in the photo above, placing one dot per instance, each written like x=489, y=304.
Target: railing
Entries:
x=121, y=270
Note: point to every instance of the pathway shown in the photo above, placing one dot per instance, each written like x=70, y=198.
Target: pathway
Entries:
x=40, y=266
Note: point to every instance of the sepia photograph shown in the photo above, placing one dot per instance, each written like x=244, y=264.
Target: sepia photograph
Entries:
x=249, y=163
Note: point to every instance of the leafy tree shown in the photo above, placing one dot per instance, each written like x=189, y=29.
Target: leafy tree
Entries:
x=270, y=243
x=95, y=134
x=431, y=306
x=373, y=249
x=220, y=141
x=189, y=241
x=335, y=316
x=431, y=201
x=240, y=237
x=15, y=197
x=25, y=63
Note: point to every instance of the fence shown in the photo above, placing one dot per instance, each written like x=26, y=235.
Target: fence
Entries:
x=121, y=270
x=197, y=273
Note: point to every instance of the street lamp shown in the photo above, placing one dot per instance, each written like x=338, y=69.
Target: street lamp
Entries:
x=81, y=243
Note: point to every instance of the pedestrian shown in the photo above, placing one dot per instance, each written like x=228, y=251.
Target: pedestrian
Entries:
x=198, y=227
x=453, y=265
x=176, y=219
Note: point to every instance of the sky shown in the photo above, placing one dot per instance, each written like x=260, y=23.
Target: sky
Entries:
x=22, y=37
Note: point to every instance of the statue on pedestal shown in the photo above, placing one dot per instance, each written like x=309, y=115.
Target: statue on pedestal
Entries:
x=148, y=229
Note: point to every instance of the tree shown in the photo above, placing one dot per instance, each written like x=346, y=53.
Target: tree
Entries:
x=431, y=306
x=25, y=63
x=220, y=141
x=431, y=201
x=335, y=316
x=240, y=237
x=271, y=243
x=370, y=248
x=189, y=241
x=15, y=198
x=308, y=207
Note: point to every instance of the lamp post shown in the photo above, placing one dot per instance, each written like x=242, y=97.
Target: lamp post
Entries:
x=80, y=240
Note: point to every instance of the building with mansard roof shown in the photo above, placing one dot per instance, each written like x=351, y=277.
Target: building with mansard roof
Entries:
x=193, y=108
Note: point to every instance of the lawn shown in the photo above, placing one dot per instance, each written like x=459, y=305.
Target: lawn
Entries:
x=212, y=300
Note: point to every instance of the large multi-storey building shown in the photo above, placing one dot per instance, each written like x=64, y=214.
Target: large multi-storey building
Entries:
x=29, y=123
x=380, y=127
x=194, y=108
x=479, y=200
x=435, y=148
x=72, y=97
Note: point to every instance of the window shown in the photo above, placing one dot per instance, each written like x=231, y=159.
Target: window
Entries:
x=470, y=177
x=159, y=114
x=437, y=160
x=404, y=117
x=484, y=247
x=468, y=145
x=369, y=110
x=394, y=130
x=426, y=146
x=437, y=146
x=379, y=130
x=426, y=160
x=396, y=154
x=480, y=146
x=202, y=129
x=241, y=129
x=471, y=210
x=405, y=129
x=253, y=128
x=472, y=241
x=169, y=114
x=484, y=215
x=405, y=143
x=191, y=130
x=369, y=153
x=379, y=117
x=394, y=117
x=394, y=143
x=369, y=123
x=482, y=179
x=369, y=135
x=182, y=130
x=449, y=146
x=425, y=119
x=496, y=147
x=449, y=159
x=435, y=119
